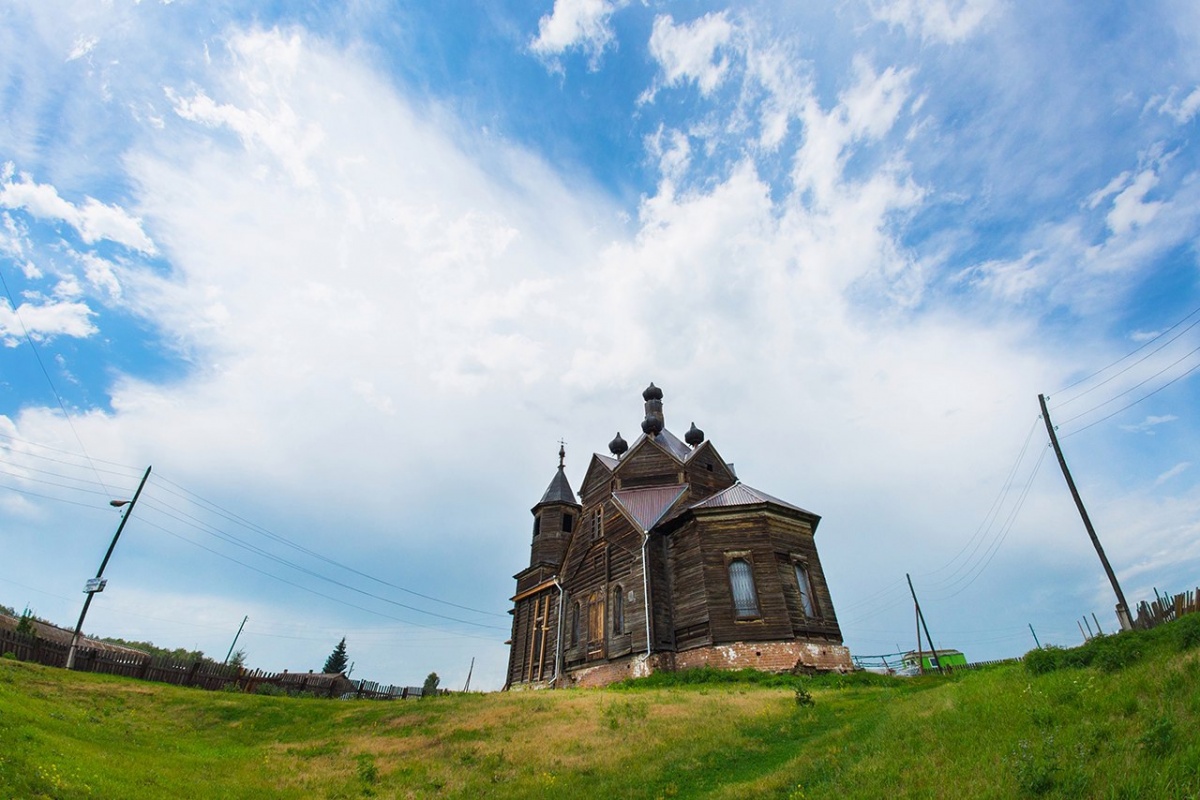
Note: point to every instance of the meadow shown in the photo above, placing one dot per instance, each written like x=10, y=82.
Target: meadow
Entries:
x=1116, y=718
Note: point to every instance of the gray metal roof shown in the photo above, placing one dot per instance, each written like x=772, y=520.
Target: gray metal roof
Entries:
x=559, y=490
x=742, y=495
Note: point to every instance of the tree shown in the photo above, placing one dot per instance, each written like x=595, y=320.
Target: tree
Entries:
x=431, y=684
x=238, y=659
x=25, y=626
x=337, y=660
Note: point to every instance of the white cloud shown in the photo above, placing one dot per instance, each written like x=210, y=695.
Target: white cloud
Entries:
x=44, y=320
x=1183, y=110
x=949, y=21
x=1174, y=471
x=1150, y=423
x=95, y=221
x=690, y=51
x=1129, y=208
x=82, y=46
x=576, y=23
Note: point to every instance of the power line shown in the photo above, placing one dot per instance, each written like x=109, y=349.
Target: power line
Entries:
x=1134, y=403
x=229, y=538
x=310, y=590
x=188, y=496
x=38, y=356
x=1143, y=346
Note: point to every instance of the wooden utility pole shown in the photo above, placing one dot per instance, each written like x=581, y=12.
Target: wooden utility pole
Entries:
x=1035, y=639
x=932, y=652
x=235, y=638
x=97, y=584
x=467, y=688
x=1122, y=608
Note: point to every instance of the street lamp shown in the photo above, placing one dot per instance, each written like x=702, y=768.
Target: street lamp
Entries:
x=98, y=583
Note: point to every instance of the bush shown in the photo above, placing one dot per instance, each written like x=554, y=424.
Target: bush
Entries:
x=429, y=689
x=1044, y=660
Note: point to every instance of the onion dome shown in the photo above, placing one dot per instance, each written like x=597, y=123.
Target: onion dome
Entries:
x=654, y=423
x=618, y=446
x=694, y=436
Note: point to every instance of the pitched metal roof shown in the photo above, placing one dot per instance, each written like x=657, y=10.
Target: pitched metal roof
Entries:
x=559, y=490
x=742, y=495
x=607, y=461
x=647, y=506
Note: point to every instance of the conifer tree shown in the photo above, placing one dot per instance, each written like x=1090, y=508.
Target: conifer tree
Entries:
x=337, y=660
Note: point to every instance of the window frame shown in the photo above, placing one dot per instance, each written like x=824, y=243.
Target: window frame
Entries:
x=618, y=611
x=743, y=612
x=809, y=606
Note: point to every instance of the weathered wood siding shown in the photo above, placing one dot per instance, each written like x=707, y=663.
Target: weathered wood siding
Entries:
x=596, y=482
x=649, y=466
x=706, y=473
x=688, y=591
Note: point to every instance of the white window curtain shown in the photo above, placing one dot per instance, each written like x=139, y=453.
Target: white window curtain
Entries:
x=806, y=597
x=741, y=579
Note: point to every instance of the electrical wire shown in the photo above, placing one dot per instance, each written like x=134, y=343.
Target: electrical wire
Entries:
x=1131, y=405
x=1143, y=346
x=38, y=356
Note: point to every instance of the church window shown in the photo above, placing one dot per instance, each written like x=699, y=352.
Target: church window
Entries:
x=741, y=581
x=618, y=611
x=806, y=595
x=576, y=623
x=568, y=522
x=537, y=525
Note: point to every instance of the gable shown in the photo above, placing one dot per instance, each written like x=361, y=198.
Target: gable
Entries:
x=597, y=476
x=648, y=463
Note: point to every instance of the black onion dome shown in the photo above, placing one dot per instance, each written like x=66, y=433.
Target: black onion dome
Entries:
x=652, y=392
x=618, y=445
x=652, y=425
x=694, y=436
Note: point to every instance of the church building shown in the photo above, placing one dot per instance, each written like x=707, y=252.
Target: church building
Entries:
x=666, y=561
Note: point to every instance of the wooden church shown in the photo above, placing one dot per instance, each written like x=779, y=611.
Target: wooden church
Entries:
x=666, y=561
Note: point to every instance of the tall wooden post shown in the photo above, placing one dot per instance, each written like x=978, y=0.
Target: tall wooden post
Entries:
x=1122, y=608
x=920, y=616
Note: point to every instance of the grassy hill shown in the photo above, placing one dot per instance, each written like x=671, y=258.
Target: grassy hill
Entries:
x=1117, y=718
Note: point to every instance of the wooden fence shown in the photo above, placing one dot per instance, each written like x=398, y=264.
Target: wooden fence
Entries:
x=1166, y=609
x=199, y=674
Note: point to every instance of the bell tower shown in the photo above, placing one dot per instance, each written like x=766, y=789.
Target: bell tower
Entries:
x=554, y=519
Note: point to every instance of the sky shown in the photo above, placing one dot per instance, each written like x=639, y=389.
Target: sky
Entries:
x=345, y=274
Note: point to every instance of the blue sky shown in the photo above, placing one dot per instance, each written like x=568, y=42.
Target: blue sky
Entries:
x=345, y=274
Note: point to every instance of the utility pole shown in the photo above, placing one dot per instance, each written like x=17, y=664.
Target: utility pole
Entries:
x=235, y=638
x=97, y=584
x=1122, y=607
x=932, y=652
x=469, y=671
x=1035, y=639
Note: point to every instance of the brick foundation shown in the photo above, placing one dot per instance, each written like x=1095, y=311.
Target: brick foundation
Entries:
x=765, y=656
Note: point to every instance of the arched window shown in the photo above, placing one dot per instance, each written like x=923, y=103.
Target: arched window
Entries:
x=806, y=595
x=745, y=598
x=618, y=611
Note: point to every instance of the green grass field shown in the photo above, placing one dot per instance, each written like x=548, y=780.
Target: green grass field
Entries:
x=1117, y=718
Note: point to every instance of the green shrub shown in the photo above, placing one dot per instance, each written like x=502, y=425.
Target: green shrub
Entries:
x=1045, y=660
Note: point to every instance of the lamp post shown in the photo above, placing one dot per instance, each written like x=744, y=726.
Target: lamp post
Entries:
x=97, y=583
